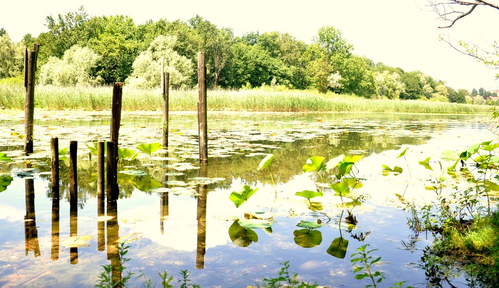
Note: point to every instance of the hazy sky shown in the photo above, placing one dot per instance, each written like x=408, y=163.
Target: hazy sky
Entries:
x=399, y=33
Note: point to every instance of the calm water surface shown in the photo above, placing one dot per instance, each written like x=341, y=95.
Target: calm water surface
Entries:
x=190, y=223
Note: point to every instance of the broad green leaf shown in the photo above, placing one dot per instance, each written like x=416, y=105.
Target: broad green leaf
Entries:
x=127, y=154
x=92, y=147
x=265, y=162
x=255, y=223
x=353, y=182
x=340, y=189
x=315, y=163
x=338, y=248
x=242, y=237
x=63, y=154
x=149, y=148
x=4, y=157
x=344, y=169
x=309, y=194
x=490, y=147
x=425, y=163
x=5, y=181
x=308, y=224
x=491, y=186
x=238, y=198
x=402, y=154
x=314, y=206
x=307, y=238
x=360, y=276
x=146, y=183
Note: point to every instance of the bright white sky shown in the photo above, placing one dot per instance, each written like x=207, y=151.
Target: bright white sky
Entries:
x=399, y=33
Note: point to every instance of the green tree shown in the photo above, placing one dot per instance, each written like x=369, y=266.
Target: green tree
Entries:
x=357, y=75
x=388, y=84
x=118, y=45
x=73, y=69
x=2, y=32
x=460, y=96
x=413, y=86
x=474, y=92
x=11, y=57
x=441, y=94
x=332, y=41
x=147, y=66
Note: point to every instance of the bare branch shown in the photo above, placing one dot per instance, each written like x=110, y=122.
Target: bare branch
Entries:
x=452, y=11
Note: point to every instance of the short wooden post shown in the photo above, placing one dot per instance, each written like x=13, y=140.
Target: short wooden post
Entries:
x=30, y=57
x=54, y=144
x=166, y=95
x=111, y=172
x=202, y=107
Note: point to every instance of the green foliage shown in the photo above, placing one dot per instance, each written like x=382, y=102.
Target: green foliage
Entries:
x=108, y=278
x=147, y=66
x=365, y=263
x=4, y=157
x=238, y=198
x=149, y=148
x=127, y=154
x=11, y=57
x=338, y=248
x=5, y=181
x=284, y=279
x=73, y=69
x=265, y=163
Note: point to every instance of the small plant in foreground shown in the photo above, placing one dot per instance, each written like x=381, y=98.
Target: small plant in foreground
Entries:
x=112, y=274
x=288, y=281
x=185, y=278
x=364, y=269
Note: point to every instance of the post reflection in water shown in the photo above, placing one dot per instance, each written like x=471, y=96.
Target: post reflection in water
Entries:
x=101, y=237
x=113, y=232
x=73, y=227
x=164, y=208
x=55, y=223
x=30, y=230
x=201, y=218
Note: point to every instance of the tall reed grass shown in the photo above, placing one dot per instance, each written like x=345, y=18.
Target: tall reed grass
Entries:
x=99, y=98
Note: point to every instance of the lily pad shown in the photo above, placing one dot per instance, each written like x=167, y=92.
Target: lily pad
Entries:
x=77, y=241
x=338, y=248
x=308, y=224
x=307, y=238
x=238, y=198
x=242, y=237
x=5, y=181
x=255, y=223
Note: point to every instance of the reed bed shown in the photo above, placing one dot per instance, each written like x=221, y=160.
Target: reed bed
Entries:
x=99, y=98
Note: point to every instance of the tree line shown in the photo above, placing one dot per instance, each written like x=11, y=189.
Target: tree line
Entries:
x=94, y=50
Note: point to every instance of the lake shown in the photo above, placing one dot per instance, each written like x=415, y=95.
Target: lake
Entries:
x=175, y=214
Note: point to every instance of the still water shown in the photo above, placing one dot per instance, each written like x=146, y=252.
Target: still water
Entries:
x=175, y=214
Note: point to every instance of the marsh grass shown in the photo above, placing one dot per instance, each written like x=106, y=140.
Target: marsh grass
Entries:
x=99, y=98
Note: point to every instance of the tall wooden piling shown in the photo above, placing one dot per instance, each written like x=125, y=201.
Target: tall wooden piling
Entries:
x=30, y=57
x=166, y=95
x=116, y=112
x=202, y=107
x=100, y=170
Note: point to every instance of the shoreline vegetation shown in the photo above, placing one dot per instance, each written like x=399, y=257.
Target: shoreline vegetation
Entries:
x=266, y=99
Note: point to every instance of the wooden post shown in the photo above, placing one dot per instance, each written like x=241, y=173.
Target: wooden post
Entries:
x=73, y=177
x=116, y=112
x=100, y=170
x=54, y=143
x=202, y=107
x=73, y=198
x=30, y=58
x=111, y=172
x=166, y=95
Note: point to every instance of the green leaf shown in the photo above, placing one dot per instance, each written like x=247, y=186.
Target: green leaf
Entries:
x=242, y=237
x=353, y=158
x=344, y=169
x=315, y=163
x=340, y=189
x=387, y=170
x=338, y=248
x=402, y=154
x=266, y=162
x=308, y=224
x=309, y=194
x=255, y=223
x=425, y=163
x=5, y=181
x=353, y=182
x=307, y=238
x=361, y=276
x=4, y=157
x=149, y=148
x=127, y=154
x=238, y=198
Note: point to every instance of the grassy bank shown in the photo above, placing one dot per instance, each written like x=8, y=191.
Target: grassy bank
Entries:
x=99, y=98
